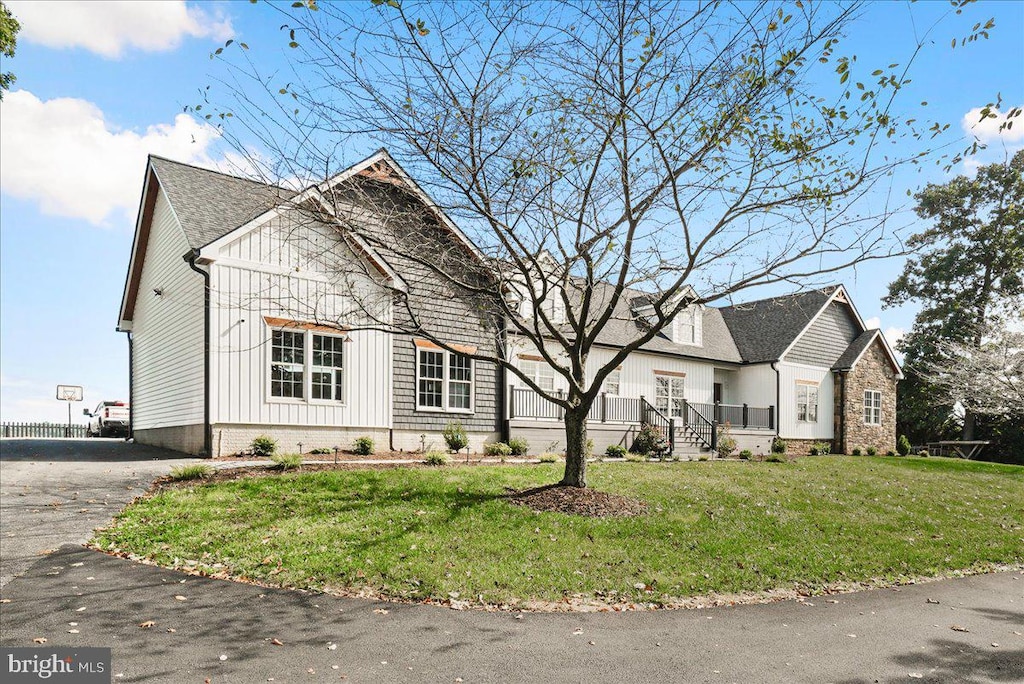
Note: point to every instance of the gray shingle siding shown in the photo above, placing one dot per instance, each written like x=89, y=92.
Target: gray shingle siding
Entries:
x=827, y=338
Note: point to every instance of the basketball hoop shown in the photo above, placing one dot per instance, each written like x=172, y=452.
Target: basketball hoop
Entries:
x=69, y=393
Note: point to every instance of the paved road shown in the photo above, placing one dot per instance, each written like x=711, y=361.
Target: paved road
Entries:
x=55, y=491
x=877, y=636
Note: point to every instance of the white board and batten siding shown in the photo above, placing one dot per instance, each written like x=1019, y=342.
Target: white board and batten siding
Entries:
x=266, y=273
x=755, y=385
x=637, y=372
x=167, y=334
x=790, y=374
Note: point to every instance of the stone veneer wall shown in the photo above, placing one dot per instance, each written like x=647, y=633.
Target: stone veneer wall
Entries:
x=802, y=447
x=873, y=372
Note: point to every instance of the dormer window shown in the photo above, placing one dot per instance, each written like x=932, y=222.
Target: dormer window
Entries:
x=687, y=326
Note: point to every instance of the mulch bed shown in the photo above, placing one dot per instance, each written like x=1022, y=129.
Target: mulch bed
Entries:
x=577, y=501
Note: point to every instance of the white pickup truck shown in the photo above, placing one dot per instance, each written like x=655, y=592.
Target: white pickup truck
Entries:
x=110, y=419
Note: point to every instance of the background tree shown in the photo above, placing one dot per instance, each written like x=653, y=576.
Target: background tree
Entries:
x=968, y=274
x=9, y=28
x=610, y=161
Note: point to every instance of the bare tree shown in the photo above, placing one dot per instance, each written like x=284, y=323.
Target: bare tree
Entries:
x=605, y=160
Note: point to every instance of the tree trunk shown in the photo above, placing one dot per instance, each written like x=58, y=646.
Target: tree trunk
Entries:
x=575, y=448
x=967, y=434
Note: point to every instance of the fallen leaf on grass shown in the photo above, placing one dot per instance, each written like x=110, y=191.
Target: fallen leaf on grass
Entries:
x=171, y=630
x=931, y=601
x=276, y=642
x=179, y=597
x=147, y=624
x=39, y=640
x=958, y=628
x=381, y=611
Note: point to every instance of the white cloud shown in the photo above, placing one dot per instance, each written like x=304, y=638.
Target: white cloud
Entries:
x=109, y=28
x=63, y=154
x=894, y=335
x=873, y=322
x=987, y=130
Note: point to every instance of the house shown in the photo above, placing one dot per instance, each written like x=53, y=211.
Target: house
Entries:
x=248, y=312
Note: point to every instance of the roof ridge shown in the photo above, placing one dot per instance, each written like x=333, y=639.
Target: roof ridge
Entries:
x=827, y=289
x=218, y=172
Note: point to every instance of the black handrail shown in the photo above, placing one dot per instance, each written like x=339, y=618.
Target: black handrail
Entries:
x=704, y=429
x=650, y=415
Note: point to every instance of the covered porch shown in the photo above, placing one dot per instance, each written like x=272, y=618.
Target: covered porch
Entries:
x=615, y=420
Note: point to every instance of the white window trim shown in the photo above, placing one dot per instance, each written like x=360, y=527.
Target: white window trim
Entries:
x=540, y=366
x=307, y=369
x=445, y=380
x=672, y=378
x=816, y=404
x=617, y=372
x=864, y=406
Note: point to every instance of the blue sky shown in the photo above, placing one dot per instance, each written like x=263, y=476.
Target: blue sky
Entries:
x=101, y=85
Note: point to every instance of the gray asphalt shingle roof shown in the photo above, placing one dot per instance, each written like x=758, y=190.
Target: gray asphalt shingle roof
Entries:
x=856, y=348
x=762, y=330
x=210, y=204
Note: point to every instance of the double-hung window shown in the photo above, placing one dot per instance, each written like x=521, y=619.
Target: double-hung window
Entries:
x=668, y=394
x=444, y=380
x=612, y=383
x=307, y=365
x=542, y=374
x=872, y=407
x=807, y=403
x=287, y=364
x=328, y=368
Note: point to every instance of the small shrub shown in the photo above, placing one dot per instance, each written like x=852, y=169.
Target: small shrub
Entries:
x=196, y=471
x=903, y=445
x=519, y=447
x=702, y=457
x=286, y=461
x=549, y=458
x=649, y=441
x=320, y=451
x=497, y=449
x=746, y=454
x=821, y=449
x=726, y=443
x=872, y=451
x=615, y=451
x=435, y=458
x=856, y=451
x=778, y=445
x=263, y=446
x=363, y=446
x=455, y=436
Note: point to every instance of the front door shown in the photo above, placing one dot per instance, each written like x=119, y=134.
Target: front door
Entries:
x=718, y=393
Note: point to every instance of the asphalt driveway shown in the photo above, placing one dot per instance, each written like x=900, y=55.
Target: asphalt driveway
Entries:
x=165, y=626
x=56, y=491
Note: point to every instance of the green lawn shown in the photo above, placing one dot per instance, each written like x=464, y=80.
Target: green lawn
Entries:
x=712, y=527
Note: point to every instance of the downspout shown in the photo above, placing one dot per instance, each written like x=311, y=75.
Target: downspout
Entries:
x=505, y=423
x=131, y=385
x=190, y=258
x=841, y=446
x=778, y=399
